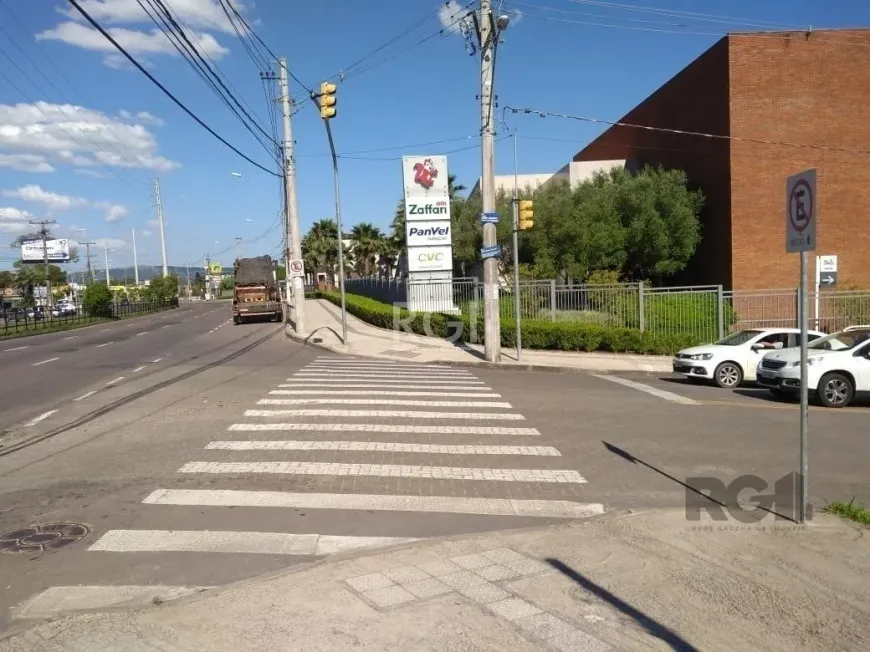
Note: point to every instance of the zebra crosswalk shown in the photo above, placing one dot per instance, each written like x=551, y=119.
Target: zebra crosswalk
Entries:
x=375, y=453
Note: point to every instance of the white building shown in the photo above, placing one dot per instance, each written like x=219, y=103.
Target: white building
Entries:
x=575, y=173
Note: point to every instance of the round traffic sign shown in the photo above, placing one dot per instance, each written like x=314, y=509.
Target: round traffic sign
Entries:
x=800, y=205
x=296, y=266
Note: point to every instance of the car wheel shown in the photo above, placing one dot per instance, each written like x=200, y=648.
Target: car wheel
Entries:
x=835, y=390
x=728, y=375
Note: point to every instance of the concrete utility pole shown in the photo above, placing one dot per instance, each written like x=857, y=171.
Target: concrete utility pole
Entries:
x=238, y=248
x=88, y=256
x=160, y=223
x=294, y=239
x=43, y=231
x=106, y=253
x=135, y=260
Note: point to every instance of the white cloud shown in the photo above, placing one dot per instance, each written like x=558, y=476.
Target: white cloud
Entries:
x=450, y=15
x=152, y=223
x=114, y=212
x=150, y=119
x=15, y=221
x=42, y=134
x=147, y=233
x=91, y=173
x=111, y=243
x=203, y=14
x=35, y=194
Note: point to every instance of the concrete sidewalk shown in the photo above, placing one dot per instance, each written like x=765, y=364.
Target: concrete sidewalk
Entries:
x=649, y=581
x=324, y=330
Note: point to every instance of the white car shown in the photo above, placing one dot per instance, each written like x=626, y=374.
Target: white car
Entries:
x=735, y=358
x=838, y=368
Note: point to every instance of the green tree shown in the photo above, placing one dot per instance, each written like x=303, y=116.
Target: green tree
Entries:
x=367, y=242
x=97, y=300
x=320, y=247
x=7, y=279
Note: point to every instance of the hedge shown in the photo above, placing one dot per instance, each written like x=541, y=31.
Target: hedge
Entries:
x=558, y=336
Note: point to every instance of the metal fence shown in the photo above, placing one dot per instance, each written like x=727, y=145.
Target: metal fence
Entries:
x=706, y=313
x=24, y=320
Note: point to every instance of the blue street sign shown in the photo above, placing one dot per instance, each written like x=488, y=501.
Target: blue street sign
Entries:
x=489, y=218
x=490, y=252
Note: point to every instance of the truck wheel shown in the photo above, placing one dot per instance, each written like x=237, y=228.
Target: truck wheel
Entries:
x=237, y=320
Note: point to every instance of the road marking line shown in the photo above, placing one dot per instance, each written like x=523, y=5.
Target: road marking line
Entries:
x=100, y=346
x=268, y=543
x=387, y=414
x=341, y=373
x=367, y=381
x=36, y=364
x=552, y=476
x=375, y=502
x=329, y=392
x=395, y=429
x=71, y=337
x=660, y=393
x=382, y=401
x=41, y=417
x=17, y=348
x=62, y=600
x=156, y=361
x=383, y=447
x=138, y=369
x=142, y=333
x=166, y=325
x=117, y=380
x=350, y=367
x=84, y=396
x=105, y=330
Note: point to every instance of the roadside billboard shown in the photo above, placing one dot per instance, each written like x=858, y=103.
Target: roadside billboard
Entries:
x=428, y=232
x=422, y=234
x=430, y=259
x=33, y=252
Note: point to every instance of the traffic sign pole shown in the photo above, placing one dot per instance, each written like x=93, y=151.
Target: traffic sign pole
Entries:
x=800, y=237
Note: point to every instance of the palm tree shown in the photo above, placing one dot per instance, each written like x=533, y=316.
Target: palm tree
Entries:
x=453, y=188
x=320, y=247
x=367, y=239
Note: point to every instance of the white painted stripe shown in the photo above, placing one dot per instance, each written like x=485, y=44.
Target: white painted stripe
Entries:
x=41, y=417
x=100, y=346
x=17, y=348
x=84, y=396
x=401, y=374
x=384, y=385
x=655, y=391
x=347, y=392
x=59, y=600
x=138, y=369
x=142, y=333
x=36, y=364
x=156, y=361
x=267, y=543
x=165, y=325
x=71, y=337
x=117, y=380
x=375, y=502
x=383, y=447
x=388, y=471
x=105, y=330
x=395, y=429
x=382, y=401
x=366, y=381
x=391, y=367
x=387, y=414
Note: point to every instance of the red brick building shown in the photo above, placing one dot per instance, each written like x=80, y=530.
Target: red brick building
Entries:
x=810, y=89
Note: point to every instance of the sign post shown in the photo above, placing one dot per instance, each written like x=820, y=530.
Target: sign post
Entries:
x=800, y=237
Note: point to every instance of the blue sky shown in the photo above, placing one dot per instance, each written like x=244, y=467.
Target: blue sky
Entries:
x=88, y=157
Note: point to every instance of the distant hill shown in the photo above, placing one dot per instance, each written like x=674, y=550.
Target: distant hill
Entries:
x=146, y=273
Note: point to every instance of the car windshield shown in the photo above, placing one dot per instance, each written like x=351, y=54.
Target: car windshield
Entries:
x=841, y=341
x=738, y=338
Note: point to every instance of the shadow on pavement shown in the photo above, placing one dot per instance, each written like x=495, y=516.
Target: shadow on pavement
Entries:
x=689, y=488
x=653, y=627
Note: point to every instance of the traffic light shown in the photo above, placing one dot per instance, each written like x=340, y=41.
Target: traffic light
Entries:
x=526, y=215
x=327, y=100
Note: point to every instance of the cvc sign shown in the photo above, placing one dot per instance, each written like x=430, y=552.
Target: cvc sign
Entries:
x=430, y=259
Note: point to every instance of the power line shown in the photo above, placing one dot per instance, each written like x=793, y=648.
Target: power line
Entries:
x=761, y=141
x=405, y=146
x=154, y=81
x=399, y=158
x=257, y=57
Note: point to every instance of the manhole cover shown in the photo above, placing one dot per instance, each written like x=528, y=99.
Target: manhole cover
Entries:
x=41, y=538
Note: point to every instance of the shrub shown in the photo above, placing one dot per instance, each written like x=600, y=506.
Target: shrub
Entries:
x=97, y=300
x=537, y=334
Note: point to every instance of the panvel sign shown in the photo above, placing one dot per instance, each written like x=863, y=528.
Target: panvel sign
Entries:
x=426, y=234
x=430, y=259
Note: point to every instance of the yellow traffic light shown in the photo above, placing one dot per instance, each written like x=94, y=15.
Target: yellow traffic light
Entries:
x=526, y=215
x=327, y=100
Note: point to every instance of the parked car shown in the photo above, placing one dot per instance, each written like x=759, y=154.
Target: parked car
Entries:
x=838, y=368
x=734, y=359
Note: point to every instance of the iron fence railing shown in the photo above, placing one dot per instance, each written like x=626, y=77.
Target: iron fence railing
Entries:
x=707, y=313
x=16, y=321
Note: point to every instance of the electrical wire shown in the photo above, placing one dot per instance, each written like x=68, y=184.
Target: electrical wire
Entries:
x=154, y=81
x=250, y=47
x=399, y=158
x=698, y=134
x=405, y=146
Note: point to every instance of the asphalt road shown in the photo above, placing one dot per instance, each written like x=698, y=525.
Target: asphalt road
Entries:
x=247, y=453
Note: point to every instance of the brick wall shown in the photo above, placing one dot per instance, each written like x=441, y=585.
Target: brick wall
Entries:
x=815, y=90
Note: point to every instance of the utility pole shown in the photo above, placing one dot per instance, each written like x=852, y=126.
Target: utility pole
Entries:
x=88, y=256
x=207, y=277
x=291, y=206
x=516, y=247
x=489, y=33
x=43, y=231
x=238, y=248
x=106, y=253
x=135, y=260
x=160, y=223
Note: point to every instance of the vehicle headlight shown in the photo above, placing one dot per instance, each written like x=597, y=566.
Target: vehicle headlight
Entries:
x=702, y=356
x=810, y=361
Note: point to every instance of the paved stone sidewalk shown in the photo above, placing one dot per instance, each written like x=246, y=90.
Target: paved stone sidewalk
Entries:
x=324, y=330
x=649, y=581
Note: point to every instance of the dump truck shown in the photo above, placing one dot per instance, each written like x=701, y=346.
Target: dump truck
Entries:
x=256, y=294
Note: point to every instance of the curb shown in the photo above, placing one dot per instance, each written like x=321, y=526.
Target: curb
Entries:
x=482, y=364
